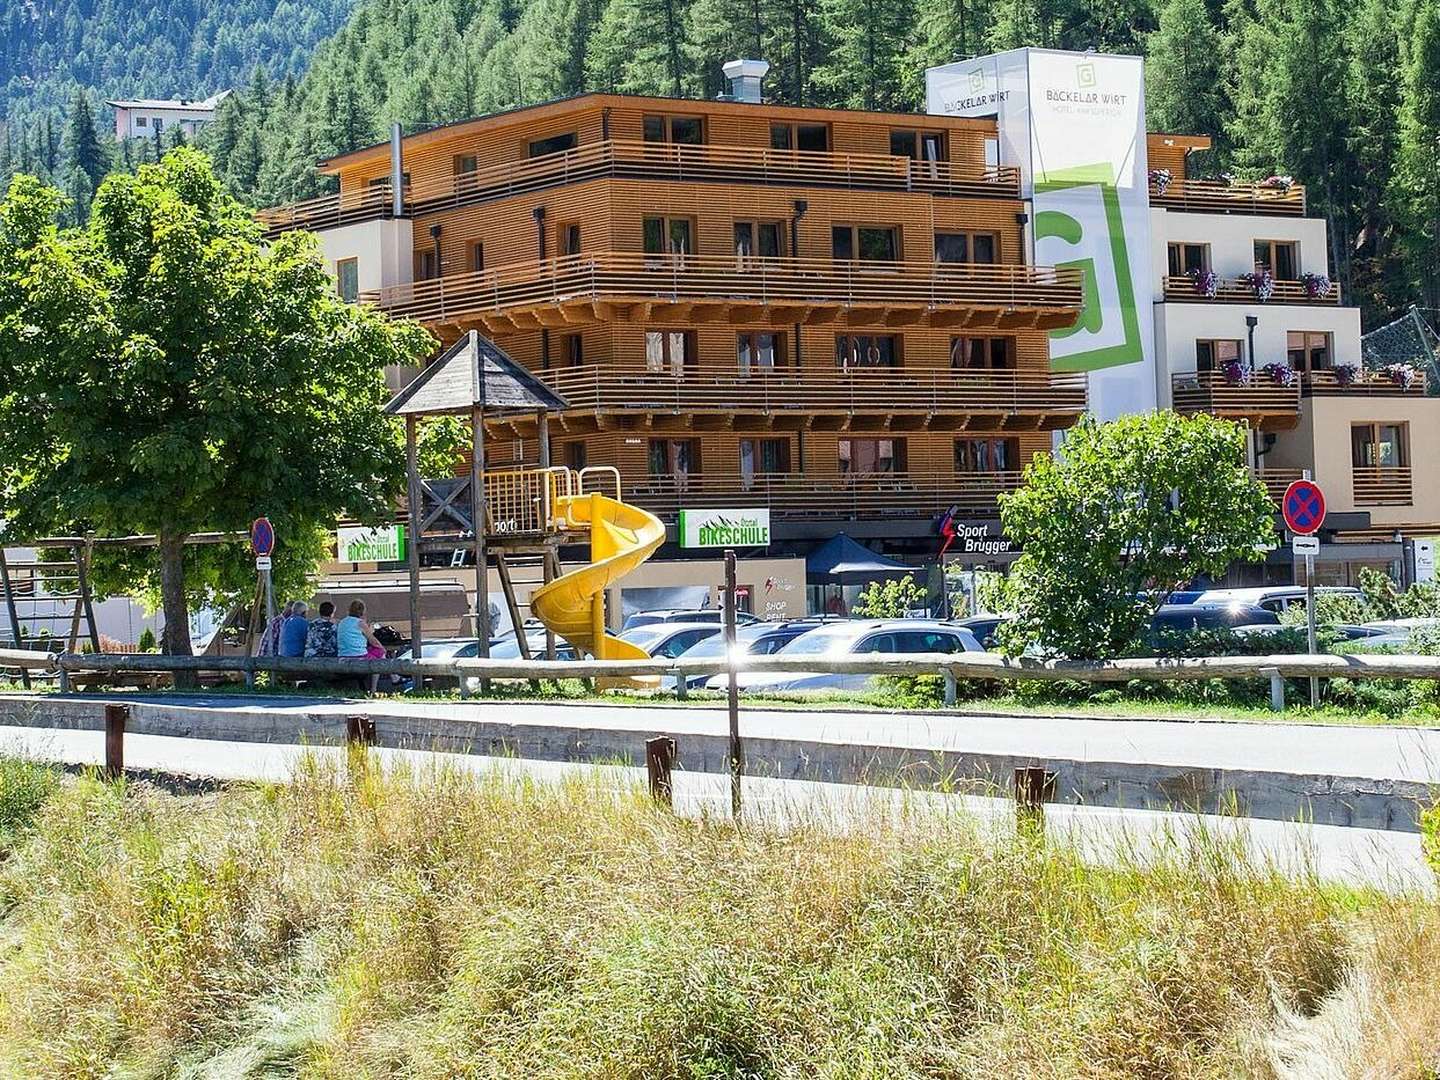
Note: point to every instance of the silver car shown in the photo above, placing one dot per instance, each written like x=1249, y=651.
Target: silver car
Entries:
x=857, y=637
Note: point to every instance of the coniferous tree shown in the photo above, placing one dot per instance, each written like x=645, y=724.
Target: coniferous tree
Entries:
x=1373, y=101
x=1184, y=85
x=867, y=47
x=83, y=148
x=1416, y=188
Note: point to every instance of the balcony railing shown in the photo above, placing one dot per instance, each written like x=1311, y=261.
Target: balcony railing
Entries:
x=1363, y=381
x=751, y=287
x=1217, y=197
x=668, y=161
x=616, y=388
x=1382, y=485
x=1252, y=395
x=329, y=211
x=856, y=495
x=1236, y=290
x=1277, y=480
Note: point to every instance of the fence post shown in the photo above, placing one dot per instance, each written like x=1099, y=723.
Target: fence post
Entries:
x=1034, y=787
x=659, y=763
x=949, y=676
x=682, y=686
x=1277, y=688
x=64, y=678
x=737, y=751
x=360, y=730
x=115, y=719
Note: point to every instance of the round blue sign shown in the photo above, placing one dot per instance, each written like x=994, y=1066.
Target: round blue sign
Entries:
x=262, y=537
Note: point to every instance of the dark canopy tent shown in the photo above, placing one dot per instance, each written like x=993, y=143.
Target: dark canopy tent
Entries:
x=841, y=561
x=473, y=377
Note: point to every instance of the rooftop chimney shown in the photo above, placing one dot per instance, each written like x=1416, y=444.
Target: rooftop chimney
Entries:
x=745, y=78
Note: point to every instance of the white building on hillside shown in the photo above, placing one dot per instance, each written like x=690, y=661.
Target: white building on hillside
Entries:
x=142, y=117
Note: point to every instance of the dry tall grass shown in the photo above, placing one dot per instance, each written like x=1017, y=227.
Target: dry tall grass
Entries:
x=388, y=923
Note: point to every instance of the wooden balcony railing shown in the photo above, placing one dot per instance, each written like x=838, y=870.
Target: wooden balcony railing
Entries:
x=1217, y=197
x=1277, y=480
x=1363, y=381
x=1382, y=485
x=862, y=495
x=664, y=161
x=616, y=388
x=588, y=285
x=1212, y=392
x=329, y=211
x=1181, y=287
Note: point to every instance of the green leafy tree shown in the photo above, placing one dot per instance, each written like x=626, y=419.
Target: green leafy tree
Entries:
x=165, y=373
x=1122, y=516
x=892, y=599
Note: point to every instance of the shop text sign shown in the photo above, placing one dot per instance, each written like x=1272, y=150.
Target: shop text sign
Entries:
x=385, y=544
x=724, y=528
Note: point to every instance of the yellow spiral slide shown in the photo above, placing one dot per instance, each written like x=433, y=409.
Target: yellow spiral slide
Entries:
x=573, y=605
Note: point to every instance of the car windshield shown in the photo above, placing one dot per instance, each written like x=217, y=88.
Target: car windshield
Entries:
x=714, y=645
x=821, y=641
x=647, y=636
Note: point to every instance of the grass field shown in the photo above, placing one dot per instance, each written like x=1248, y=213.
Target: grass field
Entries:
x=364, y=923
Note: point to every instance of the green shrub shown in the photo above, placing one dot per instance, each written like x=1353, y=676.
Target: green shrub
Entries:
x=147, y=641
x=24, y=788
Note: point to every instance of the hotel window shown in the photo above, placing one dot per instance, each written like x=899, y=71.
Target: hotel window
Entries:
x=867, y=350
x=1188, y=258
x=687, y=130
x=759, y=349
x=1279, y=257
x=859, y=456
x=674, y=457
x=466, y=163
x=347, y=279
x=553, y=145
x=567, y=238
x=1213, y=355
x=669, y=235
x=992, y=153
x=964, y=247
x=982, y=352
x=576, y=455
x=987, y=455
x=477, y=257
x=158, y=123
x=1379, y=446
x=762, y=238
x=868, y=243
x=762, y=456
x=1307, y=350
x=574, y=350
x=811, y=137
x=141, y=121
x=920, y=145
x=427, y=265
x=669, y=350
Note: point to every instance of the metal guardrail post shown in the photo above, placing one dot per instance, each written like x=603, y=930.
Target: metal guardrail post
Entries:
x=1034, y=787
x=660, y=753
x=116, y=716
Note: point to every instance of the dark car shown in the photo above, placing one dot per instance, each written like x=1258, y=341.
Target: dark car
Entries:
x=1208, y=617
x=984, y=627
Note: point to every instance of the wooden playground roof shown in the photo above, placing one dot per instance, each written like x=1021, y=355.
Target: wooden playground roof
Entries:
x=452, y=384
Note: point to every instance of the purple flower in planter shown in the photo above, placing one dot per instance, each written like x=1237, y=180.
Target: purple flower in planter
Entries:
x=1402, y=375
x=1280, y=374
x=1279, y=183
x=1317, y=286
x=1206, y=282
x=1233, y=372
x=1160, y=180
x=1346, y=374
x=1261, y=284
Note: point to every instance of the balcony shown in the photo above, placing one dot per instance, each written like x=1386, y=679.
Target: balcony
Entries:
x=618, y=159
x=1218, y=197
x=1381, y=485
x=576, y=290
x=1255, y=397
x=820, y=396
x=1277, y=480
x=329, y=211
x=797, y=495
x=1363, y=382
x=1182, y=288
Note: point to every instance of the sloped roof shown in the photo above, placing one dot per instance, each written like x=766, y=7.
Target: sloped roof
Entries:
x=841, y=557
x=163, y=103
x=448, y=385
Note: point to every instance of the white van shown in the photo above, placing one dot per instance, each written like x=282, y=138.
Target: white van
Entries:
x=1276, y=598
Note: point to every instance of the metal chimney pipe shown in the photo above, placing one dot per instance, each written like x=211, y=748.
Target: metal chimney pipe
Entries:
x=397, y=172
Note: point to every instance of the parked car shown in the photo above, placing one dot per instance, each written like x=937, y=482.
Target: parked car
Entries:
x=1211, y=616
x=673, y=615
x=668, y=639
x=856, y=637
x=1276, y=598
x=984, y=627
x=757, y=639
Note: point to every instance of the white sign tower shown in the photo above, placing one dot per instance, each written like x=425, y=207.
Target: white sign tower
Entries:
x=1074, y=125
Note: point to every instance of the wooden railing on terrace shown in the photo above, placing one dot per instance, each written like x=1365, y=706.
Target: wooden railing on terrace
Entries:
x=1326, y=382
x=854, y=495
x=1218, y=197
x=1212, y=392
x=1181, y=287
x=635, y=276
x=662, y=161
x=329, y=211
x=1277, y=480
x=816, y=387
x=1382, y=485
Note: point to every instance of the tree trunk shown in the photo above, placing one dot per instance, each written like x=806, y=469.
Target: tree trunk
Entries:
x=176, y=636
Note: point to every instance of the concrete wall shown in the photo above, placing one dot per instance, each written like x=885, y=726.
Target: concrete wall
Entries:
x=384, y=250
x=1232, y=239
